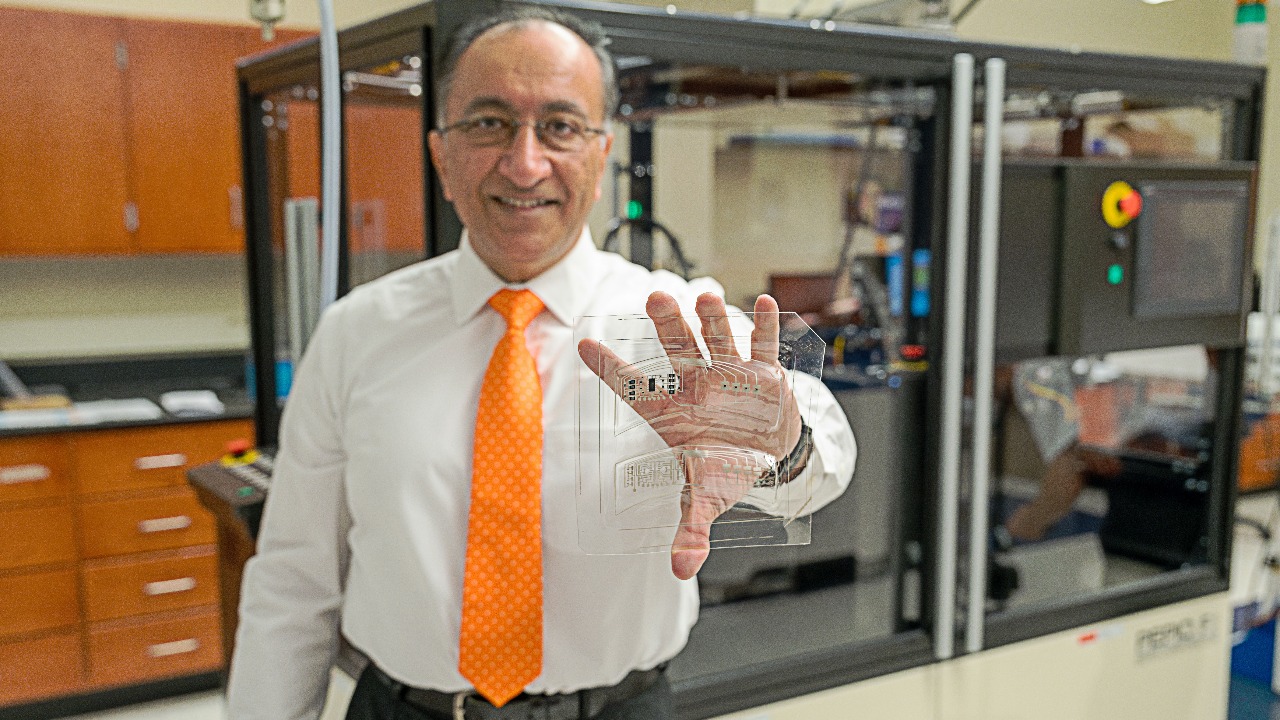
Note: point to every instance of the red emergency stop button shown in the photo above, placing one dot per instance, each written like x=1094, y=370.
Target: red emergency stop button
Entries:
x=1131, y=204
x=912, y=352
x=1120, y=204
x=239, y=452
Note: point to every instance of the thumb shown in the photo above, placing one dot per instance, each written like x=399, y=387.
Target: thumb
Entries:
x=692, y=543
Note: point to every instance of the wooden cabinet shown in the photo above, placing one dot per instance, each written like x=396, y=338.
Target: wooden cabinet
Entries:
x=147, y=649
x=34, y=468
x=184, y=135
x=122, y=135
x=34, y=536
x=140, y=458
x=154, y=522
x=63, y=179
x=39, y=601
x=108, y=567
x=121, y=588
x=40, y=668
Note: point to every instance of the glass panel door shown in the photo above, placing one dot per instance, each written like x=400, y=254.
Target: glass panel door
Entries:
x=291, y=118
x=384, y=154
x=802, y=185
x=1105, y=459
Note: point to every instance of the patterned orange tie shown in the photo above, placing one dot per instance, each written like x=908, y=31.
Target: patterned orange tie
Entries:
x=500, y=651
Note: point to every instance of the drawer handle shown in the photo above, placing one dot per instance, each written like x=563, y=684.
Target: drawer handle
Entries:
x=155, y=525
x=14, y=474
x=160, y=462
x=168, y=587
x=177, y=647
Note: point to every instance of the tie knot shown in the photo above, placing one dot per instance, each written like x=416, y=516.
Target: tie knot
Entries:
x=518, y=307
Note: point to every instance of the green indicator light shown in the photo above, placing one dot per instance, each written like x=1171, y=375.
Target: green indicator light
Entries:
x=1115, y=274
x=634, y=209
x=245, y=491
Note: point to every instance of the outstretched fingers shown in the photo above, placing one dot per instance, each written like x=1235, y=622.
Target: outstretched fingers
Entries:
x=605, y=363
x=764, y=338
x=716, y=331
x=674, y=333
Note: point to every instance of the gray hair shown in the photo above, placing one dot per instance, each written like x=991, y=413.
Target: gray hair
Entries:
x=520, y=16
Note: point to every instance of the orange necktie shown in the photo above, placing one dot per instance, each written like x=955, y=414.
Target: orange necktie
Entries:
x=500, y=650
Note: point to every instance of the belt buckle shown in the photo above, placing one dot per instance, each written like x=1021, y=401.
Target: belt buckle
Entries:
x=460, y=703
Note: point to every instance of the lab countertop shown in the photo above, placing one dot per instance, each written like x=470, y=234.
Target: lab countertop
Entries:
x=127, y=392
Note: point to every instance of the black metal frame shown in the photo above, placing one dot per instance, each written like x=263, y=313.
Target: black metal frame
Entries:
x=899, y=56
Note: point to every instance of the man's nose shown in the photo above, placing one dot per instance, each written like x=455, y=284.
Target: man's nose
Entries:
x=525, y=162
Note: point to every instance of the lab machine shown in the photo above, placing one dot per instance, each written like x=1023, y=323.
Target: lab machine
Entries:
x=1033, y=318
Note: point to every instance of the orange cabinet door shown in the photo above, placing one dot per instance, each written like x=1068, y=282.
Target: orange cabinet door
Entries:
x=33, y=468
x=184, y=135
x=38, y=601
x=148, y=457
x=63, y=174
x=123, y=588
x=132, y=653
x=36, y=536
x=172, y=520
x=38, y=669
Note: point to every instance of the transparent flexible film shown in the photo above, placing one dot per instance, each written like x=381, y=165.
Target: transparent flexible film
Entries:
x=678, y=443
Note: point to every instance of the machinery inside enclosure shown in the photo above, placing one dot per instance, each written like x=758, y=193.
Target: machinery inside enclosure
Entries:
x=817, y=187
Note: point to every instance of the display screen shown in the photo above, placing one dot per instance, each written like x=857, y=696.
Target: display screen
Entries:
x=1190, y=249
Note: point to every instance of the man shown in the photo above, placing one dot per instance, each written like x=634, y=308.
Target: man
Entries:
x=376, y=528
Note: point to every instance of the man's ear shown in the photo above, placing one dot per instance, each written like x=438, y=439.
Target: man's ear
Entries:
x=604, y=163
x=435, y=142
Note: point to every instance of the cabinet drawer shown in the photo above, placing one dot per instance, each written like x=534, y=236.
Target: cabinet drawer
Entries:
x=38, y=601
x=36, y=669
x=37, y=536
x=118, y=590
x=138, y=652
x=120, y=527
x=33, y=468
x=151, y=457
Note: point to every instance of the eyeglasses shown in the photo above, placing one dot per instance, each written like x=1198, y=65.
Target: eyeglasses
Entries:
x=559, y=133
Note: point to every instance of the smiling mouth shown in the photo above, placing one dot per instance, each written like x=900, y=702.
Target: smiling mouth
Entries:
x=524, y=203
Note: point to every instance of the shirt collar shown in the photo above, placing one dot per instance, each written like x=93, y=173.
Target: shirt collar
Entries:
x=565, y=288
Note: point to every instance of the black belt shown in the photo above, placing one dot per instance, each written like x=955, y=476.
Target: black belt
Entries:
x=467, y=705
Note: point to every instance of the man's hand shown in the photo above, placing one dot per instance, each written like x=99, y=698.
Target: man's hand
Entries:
x=717, y=403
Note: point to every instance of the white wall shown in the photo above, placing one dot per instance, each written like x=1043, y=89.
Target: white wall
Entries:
x=1199, y=29
x=121, y=306
x=298, y=13
x=46, y=305
x=1196, y=29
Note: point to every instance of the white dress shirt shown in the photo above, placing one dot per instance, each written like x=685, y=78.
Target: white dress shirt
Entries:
x=365, y=529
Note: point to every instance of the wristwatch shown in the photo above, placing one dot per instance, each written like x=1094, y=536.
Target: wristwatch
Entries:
x=790, y=467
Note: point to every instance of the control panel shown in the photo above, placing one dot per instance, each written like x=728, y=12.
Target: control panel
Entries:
x=1101, y=256
x=234, y=487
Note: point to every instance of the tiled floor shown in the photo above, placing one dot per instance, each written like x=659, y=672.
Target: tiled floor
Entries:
x=200, y=706
x=211, y=706
x=1249, y=701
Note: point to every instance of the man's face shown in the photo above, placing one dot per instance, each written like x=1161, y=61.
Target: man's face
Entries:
x=523, y=204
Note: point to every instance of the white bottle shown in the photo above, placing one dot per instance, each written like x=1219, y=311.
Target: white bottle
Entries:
x=1249, y=45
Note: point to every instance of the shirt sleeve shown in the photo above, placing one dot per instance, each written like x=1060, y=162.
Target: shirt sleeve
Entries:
x=835, y=451
x=291, y=595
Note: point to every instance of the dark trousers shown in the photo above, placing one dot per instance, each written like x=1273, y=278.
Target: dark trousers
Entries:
x=373, y=700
